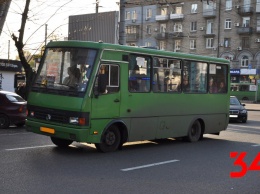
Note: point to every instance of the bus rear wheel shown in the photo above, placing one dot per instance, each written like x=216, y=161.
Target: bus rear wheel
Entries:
x=110, y=140
x=194, y=133
x=62, y=143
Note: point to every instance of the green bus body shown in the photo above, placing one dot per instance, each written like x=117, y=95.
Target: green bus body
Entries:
x=242, y=91
x=129, y=116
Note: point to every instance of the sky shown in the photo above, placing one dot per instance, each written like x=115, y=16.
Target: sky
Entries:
x=54, y=13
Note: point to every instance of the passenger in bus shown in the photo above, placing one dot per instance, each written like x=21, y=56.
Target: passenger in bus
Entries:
x=185, y=85
x=73, y=79
x=212, y=86
x=222, y=88
x=133, y=79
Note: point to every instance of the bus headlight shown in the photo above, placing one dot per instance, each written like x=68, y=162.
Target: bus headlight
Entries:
x=74, y=120
x=77, y=121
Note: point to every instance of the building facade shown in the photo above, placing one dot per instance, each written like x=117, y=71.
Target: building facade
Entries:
x=8, y=71
x=94, y=27
x=220, y=28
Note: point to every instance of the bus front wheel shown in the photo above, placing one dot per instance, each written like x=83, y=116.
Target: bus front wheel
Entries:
x=63, y=143
x=194, y=133
x=110, y=140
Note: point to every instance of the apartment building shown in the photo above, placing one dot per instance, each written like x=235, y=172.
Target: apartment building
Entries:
x=221, y=28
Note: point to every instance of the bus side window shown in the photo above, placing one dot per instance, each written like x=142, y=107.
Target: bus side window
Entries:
x=139, y=74
x=108, y=79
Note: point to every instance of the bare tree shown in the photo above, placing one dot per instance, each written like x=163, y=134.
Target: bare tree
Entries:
x=20, y=45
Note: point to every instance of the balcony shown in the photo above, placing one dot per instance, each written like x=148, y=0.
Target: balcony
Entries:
x=162, y=36
x=209, y=13
x=174, y=35
x=176, y=16
x=243, y=11
x=244, y=30
x=132, y=37
x=209, y=35
x=162, y=17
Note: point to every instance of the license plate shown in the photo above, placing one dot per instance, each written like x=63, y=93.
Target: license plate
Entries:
x=233, y=116
x=47, y=130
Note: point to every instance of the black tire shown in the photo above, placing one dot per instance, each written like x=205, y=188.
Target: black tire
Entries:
x=4, y=121
x=110, y=140
x=194, y=132
x=244, y=120
x=20, y=124
x=63, y=143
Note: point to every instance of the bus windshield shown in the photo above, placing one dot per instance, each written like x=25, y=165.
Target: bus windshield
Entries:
x=65, y=69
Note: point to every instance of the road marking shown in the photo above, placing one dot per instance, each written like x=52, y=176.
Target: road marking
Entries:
x=5, y=134
x=25, y=148
x=149, y=165
x=256, y=145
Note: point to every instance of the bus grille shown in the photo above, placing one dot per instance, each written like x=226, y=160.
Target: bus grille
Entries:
x=59, y=118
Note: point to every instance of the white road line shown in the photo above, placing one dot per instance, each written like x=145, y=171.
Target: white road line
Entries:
x=25, y=148
x=149, y=165
x=256, y=145
x=7, y=134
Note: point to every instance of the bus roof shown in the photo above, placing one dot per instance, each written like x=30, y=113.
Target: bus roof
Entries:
x=101, y=45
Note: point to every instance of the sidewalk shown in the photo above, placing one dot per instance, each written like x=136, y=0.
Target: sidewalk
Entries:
x=252, y=106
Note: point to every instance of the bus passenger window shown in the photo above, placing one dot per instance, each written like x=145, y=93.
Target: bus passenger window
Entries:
x=139, y=74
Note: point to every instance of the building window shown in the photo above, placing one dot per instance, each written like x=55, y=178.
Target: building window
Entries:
x=149, y=13
x=209, y=42
x=228, y=24
x=245, y=42
x=127, y=15
x=177, y=27
x=227, y=42
x=246, y=22
x=162, y=28
x=209, y=27
x=194, y=8
x=164, y=11
x=177, y=45
x=193, y=26
x=149, y=29
x=192, y=44
x=258, y=23
x=134, y=16
x=228, y=4
x=244, y=61
x=162, y=45
x=178, y=10
x=131, y=30
x=148, y=44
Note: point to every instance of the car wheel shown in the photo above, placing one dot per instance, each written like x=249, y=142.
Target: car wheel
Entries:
x=4, y=121
x=244, y=120
x=20, y=124
x=194, y=132
x=110, y=140
x=63, y=143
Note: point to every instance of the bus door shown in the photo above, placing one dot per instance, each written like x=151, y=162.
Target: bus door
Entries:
x=106, y=101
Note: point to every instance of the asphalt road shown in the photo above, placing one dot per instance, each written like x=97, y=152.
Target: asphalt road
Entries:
x=30, y=163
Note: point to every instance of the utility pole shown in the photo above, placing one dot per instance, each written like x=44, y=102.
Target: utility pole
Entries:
x=46, y=34
x=8, y=50
x=97, y=4
x=122, y=38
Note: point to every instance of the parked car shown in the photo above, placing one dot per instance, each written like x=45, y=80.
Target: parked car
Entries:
x=12, y=109
x=237, y=110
